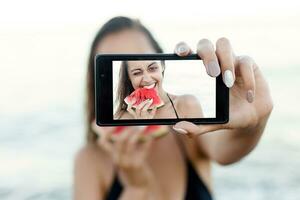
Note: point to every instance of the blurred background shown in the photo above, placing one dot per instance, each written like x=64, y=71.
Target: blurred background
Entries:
x=43, y=58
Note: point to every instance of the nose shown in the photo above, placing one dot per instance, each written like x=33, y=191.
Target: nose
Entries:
x=146, y=77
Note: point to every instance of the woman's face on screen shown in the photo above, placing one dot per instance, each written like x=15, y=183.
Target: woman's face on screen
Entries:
x=145, y=74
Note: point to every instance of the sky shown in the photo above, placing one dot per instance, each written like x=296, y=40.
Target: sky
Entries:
x=34, y=12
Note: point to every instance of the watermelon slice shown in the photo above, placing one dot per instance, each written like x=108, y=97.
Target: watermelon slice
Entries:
x=155, y=131
x=142, y=94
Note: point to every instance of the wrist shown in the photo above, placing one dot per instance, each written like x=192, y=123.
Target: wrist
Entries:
x=137, y=177
x=256, y=127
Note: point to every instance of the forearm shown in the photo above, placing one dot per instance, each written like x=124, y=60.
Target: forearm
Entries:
x=149, y=193
x=230, y=145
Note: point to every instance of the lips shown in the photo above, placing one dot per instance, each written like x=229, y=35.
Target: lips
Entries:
x=149, y=86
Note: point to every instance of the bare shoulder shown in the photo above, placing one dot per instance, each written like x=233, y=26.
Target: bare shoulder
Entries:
x=91, y=157
x=92, y=171
x=188, y=104
x=187, y=99
x=181, y=99
x=88, y=153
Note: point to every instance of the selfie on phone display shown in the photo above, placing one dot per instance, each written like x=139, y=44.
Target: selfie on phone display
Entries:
x=144, y=89
x=152, y=89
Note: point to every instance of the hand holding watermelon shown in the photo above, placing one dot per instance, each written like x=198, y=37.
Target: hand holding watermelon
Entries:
x=139, y=107
x=143, y=103
x=127, y=153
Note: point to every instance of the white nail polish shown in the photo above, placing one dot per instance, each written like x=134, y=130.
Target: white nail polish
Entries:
x=228, y=78
x=182, y=49
x=180, y=130
x=141, y=127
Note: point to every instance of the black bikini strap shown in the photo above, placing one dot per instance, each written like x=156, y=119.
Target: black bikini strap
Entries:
x=173, y=106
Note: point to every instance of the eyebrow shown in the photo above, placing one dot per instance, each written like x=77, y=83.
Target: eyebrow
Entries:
x=147, y=66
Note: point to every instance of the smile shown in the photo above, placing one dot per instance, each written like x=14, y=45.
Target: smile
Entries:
x=150, y=86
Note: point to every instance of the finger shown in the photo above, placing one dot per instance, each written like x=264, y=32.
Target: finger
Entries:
x=206, y=51
x=147, y=105
x=147, y=144
x=104, y=142
x=245, y=67
x=140, y=106
x=193, y=129
x=182, y=49
x=120, y=146
x=131, y=111
x=122, y=140
x=144, y=147
x=133, y=141
x=131, y=145
x=144, y=111
x=153, y=111
x=226, y=59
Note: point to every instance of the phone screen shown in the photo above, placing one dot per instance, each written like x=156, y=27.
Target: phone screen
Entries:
x=173, y=77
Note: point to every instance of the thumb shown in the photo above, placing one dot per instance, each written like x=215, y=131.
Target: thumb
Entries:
x=186, y=127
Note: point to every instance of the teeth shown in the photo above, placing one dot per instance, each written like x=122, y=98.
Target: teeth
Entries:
x=150, y=86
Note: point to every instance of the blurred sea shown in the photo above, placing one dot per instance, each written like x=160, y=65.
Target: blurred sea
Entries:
x=42, y=74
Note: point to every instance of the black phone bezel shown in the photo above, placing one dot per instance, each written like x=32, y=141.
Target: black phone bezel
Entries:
x=104, y=92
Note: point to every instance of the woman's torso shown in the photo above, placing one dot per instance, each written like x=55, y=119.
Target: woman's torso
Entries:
x=168, y=160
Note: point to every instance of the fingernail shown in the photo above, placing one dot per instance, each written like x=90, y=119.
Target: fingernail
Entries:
x=213, y=68
x=228, y=78
x=250, y=96
x=180, y=130
x=182, y=49
x=141, y=127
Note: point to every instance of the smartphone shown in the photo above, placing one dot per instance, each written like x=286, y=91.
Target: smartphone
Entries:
x=126, y=84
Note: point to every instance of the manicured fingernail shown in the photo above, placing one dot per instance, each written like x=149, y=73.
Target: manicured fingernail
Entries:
x=182, y=49
x=180, y=130
x=213, y=68
x=141, y=127
x=228, y=78
x=250, y=96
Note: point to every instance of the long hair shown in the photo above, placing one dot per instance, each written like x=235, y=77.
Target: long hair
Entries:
x=114, y=25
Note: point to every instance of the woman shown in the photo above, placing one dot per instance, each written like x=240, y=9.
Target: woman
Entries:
x=143, y=74
x=174, y=166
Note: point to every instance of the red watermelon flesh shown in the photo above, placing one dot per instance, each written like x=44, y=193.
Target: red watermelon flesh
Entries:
x=142, y=94
x=153, y=130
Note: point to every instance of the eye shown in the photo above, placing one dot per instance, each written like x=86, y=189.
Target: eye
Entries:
x=136, y=73
x=153, y=68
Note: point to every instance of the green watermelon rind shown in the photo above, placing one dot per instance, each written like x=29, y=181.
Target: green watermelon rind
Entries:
x=150, y=108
